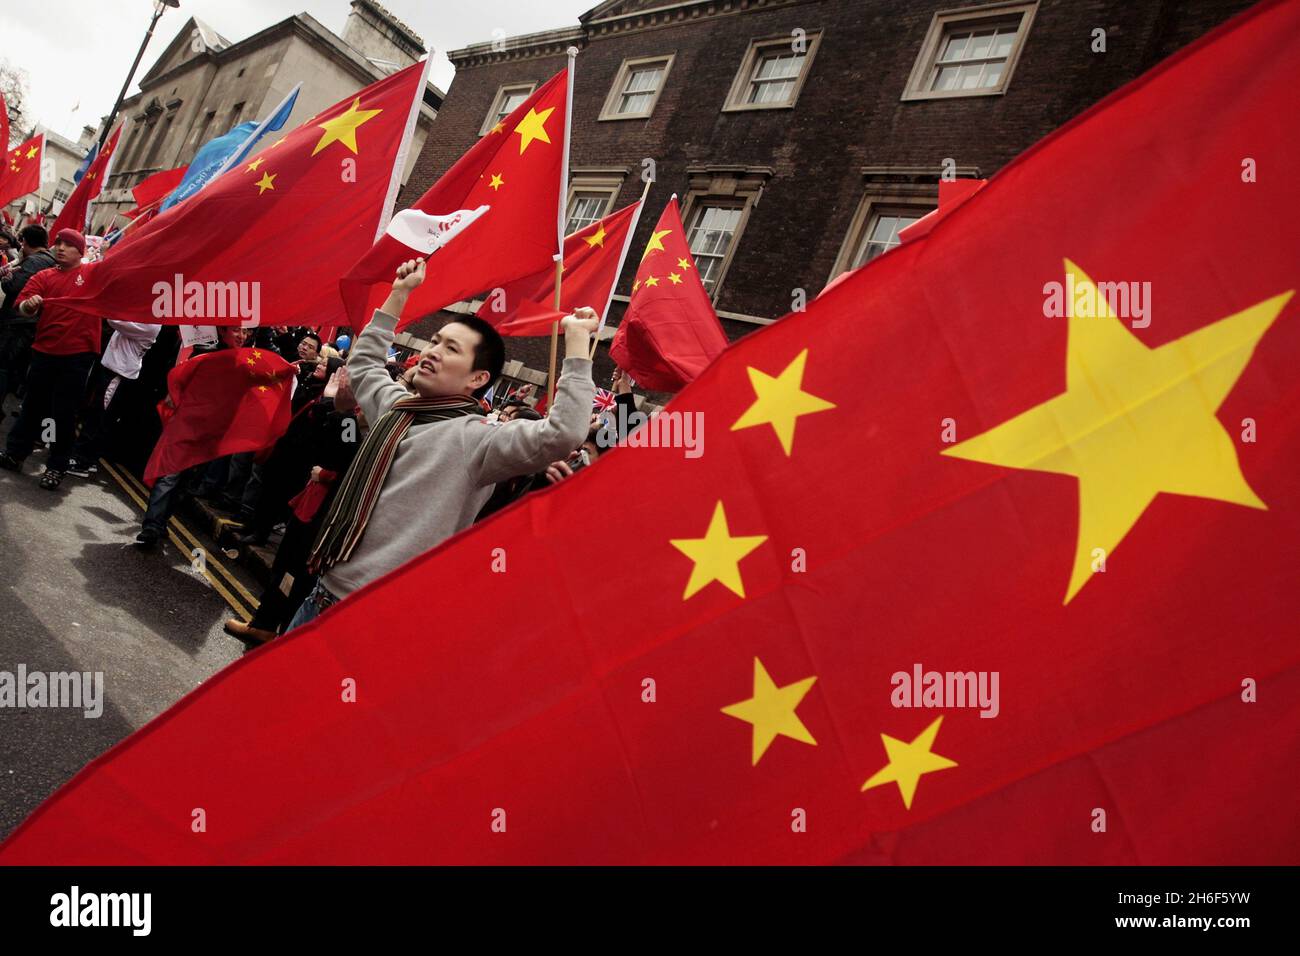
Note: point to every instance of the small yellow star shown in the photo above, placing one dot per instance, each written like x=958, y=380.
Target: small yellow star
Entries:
x=252, y=167
x=636, y=285
x=499, y=128
x=265, y=182
x=780, y=401
x=598, y=239
x=772, y=711
x=343, y=128
x=656, y=243
x=717, y=555
x=533, y=126
x=33, y=151
x=909, y=761
x=251, y=361
x=682, y=263
x=257, y=354
x=262, y=388
x=675, y=278
x=651, y=281
x=497, y=182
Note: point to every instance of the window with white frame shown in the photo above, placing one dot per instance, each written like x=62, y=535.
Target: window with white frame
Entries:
x=711, y=235
x=881, y=233
x=592, y=192
x=636, y=88
x=509, y=98
x=884, y=212
x=584, y=209
x=772, y=73
x=970, y=52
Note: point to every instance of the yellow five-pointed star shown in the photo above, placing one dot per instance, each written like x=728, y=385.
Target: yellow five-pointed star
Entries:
x=1133, y=422
x=251, y=361
x=656, y=243
x=256, y=354
x=252, y=167
x=717, y=555
x=262, y=388
x=497, y=182
x=683, y=264
x=780, y=401
x=908, y=761
x=499, y=127
x=32, y=152
x=533, y=126
x=265, y=182
x=598, y=239
x=652, y=280
x=675, y=278
x=343, y=128
x=772, y=711
x=636, y=285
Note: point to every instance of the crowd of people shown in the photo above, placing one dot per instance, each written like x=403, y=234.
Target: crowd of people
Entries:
x=382, y=459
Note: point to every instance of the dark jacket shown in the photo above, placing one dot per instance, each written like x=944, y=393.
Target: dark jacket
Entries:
x=32, y=264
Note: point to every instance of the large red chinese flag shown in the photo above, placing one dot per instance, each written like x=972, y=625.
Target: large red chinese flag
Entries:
x=76, y=211
x=592, y=260
x=226, y=402
x=752, y=694
x=491, y=218
x=669, y=332
x=22, y=170
x=278, y=229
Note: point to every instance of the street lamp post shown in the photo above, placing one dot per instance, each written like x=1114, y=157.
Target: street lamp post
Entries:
x=158, y=7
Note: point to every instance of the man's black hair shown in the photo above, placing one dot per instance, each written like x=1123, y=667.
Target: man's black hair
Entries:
x=35, y=236
x=311, y=335
x=527, y=414
x=489, y=354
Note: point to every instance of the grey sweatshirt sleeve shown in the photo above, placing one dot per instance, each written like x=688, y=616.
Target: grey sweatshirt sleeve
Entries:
x=522, y=447
x=375, y=391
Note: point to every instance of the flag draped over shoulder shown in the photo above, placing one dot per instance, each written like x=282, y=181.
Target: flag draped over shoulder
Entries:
x=267, y=240
x=22, y=170
x=489, y=220
x=76, y=211
x=592, y=257
x=911, y=477
x=669, y=332
x=224, y=402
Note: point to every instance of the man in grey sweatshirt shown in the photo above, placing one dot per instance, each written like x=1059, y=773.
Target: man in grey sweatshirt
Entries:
x=444, y=471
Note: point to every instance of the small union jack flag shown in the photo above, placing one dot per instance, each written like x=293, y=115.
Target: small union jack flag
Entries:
x=604, y=401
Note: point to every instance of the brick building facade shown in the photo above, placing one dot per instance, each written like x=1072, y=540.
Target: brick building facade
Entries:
x=800, y=134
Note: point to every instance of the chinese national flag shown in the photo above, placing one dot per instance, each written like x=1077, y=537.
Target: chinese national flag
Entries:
x=151, y=191
x=592, y=257
x=491, y=219
x=225, y=402
x=915, y=474
x=283, y=224
x=22, y=170
x=669, y=333
x=76, y=211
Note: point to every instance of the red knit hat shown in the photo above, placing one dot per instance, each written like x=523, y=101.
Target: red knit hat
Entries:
x=72, y=238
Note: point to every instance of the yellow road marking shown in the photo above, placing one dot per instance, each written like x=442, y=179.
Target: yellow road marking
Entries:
x=229, y=598
x=175, y=522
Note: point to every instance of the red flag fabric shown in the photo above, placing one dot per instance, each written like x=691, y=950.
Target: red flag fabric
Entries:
x=669, y=332
x=22, y=169
x=152, y=190
x=489, y=220
x=75, y=213
x=773, y=683
x=4, y=134
x=592, y=258
x=303, y=206
x=224, y=402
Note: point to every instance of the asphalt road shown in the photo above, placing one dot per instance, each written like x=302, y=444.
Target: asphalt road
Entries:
x=75, y=595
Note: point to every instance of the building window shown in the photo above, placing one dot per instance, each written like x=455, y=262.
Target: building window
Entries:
x=885, y=211
x=235, y=113
x=636, y=88
x=202, y=136
x=711, y=236
x=508, y=99
x=882, y=231
x=63, y=191
x=970, y=52
x=591, y=196
x=772, y=73
x=159, y=137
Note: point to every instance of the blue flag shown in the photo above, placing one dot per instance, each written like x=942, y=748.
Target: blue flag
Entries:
x=85, y=163
x=217, y=155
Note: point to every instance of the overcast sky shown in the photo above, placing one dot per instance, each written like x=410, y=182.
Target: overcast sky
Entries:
x=76, y=52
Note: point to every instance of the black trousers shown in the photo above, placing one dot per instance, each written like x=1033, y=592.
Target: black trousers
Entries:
x=56, y=384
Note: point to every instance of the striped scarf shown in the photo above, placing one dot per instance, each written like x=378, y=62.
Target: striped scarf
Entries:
x=346, y=521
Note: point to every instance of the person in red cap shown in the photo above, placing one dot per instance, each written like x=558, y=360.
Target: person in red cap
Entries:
x=64, y=352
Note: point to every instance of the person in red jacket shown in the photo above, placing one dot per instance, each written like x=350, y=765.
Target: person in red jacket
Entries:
x=64, y=352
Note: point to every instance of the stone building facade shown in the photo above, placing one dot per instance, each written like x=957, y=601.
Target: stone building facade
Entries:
x=203, y=85
x=801, y=135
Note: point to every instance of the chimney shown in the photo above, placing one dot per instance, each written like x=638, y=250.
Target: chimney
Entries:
x=380, y=37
